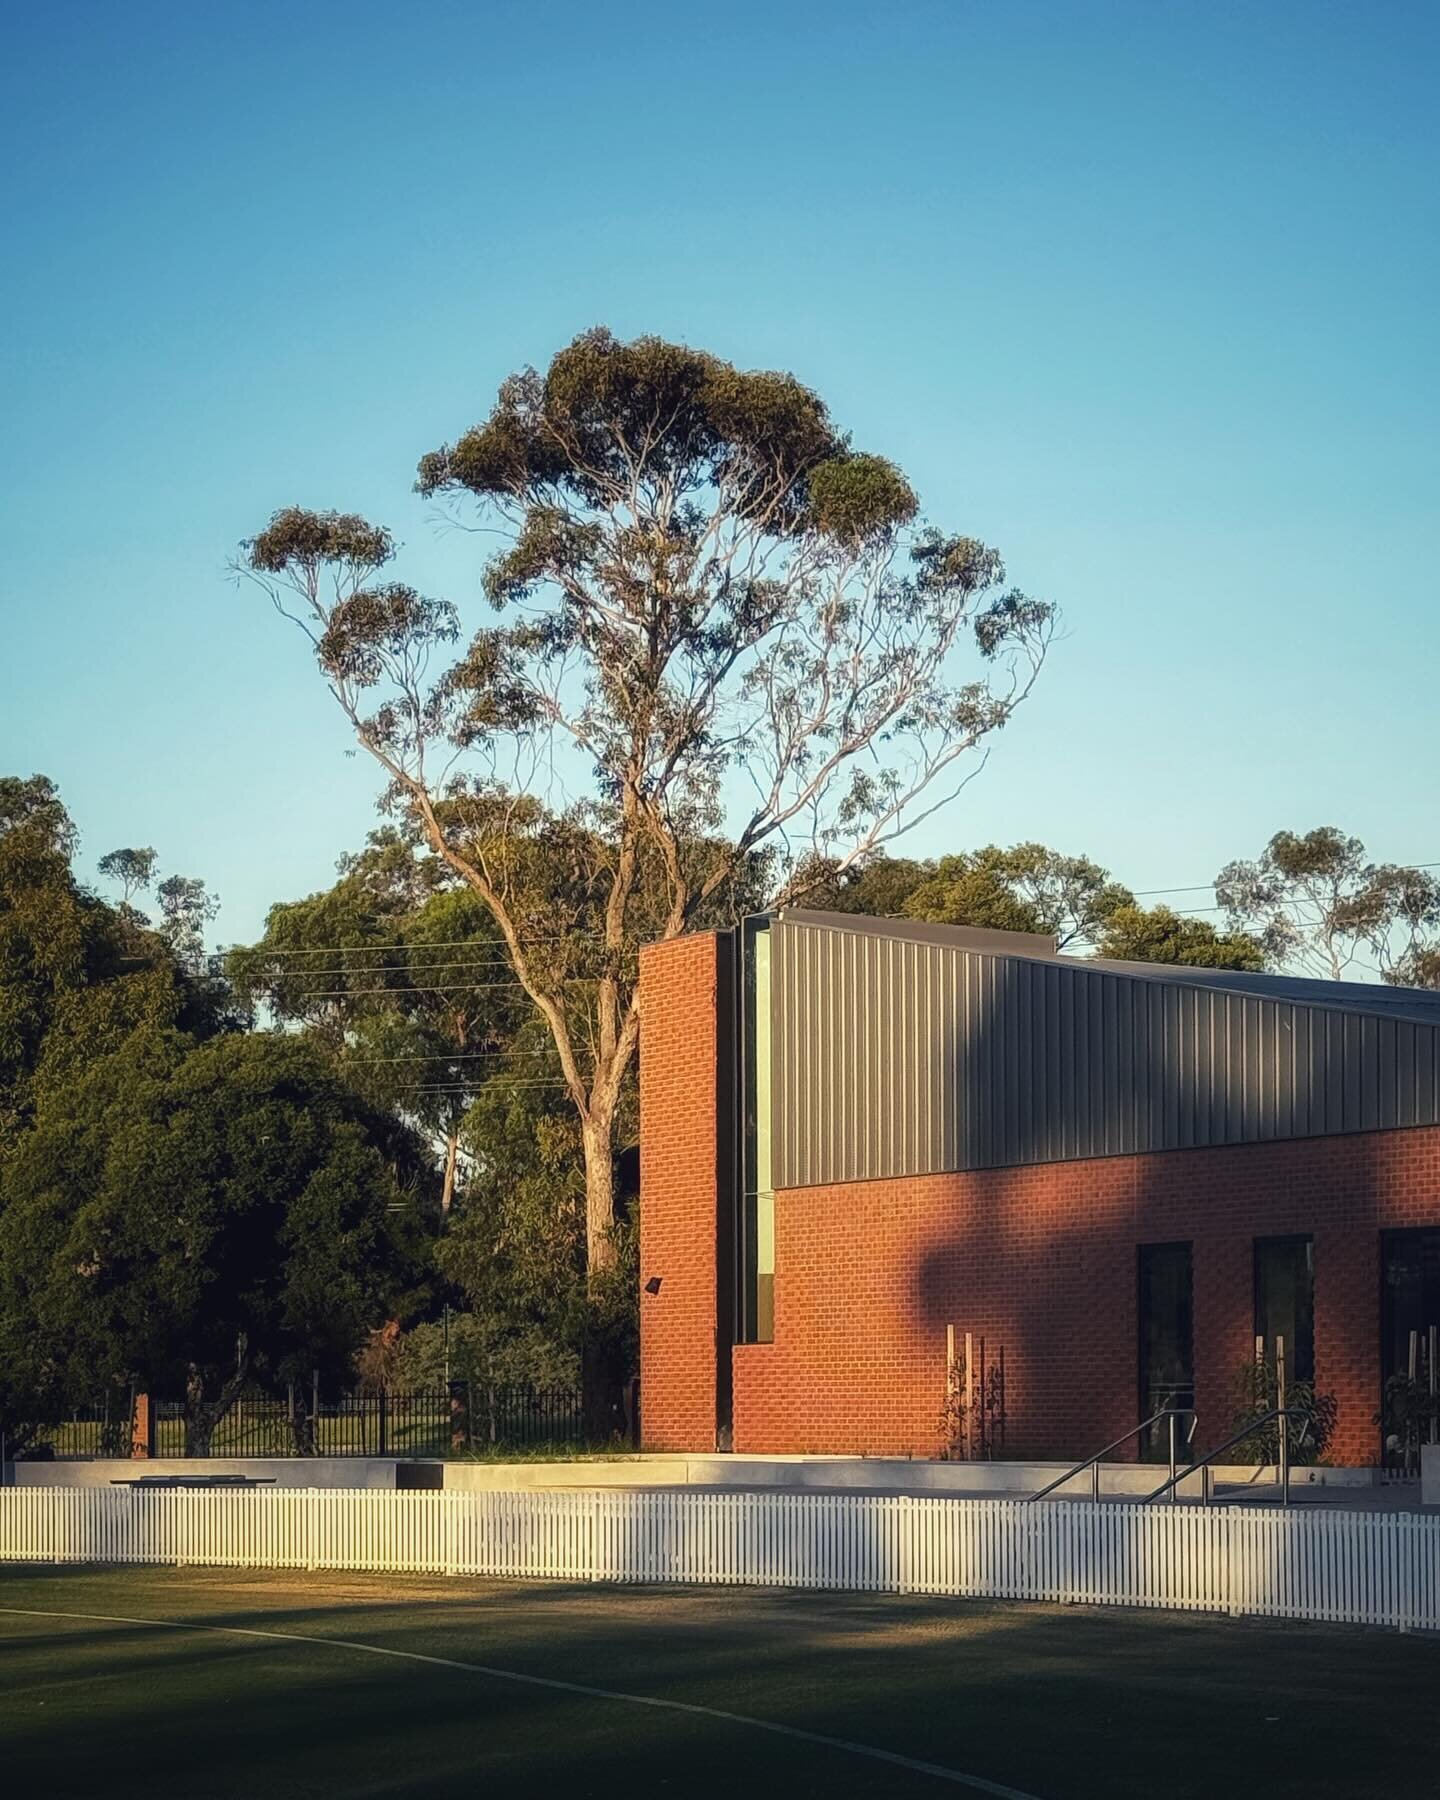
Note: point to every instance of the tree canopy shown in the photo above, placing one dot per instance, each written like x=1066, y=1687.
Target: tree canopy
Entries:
x=189, y=1203
x=76, y=976
x=722, y=623
x=1157, y=934
x=1321, y=907
x=189, y=1217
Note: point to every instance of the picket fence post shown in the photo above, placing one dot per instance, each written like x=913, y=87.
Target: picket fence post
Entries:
x=1362, y=1568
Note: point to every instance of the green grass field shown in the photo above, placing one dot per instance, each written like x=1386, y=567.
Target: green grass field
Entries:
x=1052, y=1702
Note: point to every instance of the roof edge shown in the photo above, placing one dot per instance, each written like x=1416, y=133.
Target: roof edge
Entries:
x=1418, y=1006
x=1031, y=945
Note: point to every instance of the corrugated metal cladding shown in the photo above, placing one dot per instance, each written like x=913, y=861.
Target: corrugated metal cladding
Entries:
x=898, y=1057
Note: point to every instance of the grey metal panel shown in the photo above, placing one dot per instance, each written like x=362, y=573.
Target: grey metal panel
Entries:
x=904, y=1054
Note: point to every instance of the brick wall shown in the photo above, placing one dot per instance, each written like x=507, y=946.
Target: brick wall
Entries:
x=678, y=1191
x=1043, y=1261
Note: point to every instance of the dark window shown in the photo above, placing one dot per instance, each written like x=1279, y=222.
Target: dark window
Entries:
x=1409, y=1315
x=756, y=1310
x=1167, y=1369
x=1409, y=1305
x=1285, y=1301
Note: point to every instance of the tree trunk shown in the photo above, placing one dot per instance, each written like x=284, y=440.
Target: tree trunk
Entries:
x=597, y=1133
x=447, y=1192
x=202, y=1415
x=602, y=1378
x=302, y=1421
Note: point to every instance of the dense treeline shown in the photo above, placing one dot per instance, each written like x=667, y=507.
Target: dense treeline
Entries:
x=347, y=1148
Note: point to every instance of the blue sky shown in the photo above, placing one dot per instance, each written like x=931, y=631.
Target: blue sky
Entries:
x=1143, y=294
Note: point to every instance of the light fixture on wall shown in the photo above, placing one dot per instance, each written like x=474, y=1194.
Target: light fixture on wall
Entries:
x=652, y=1286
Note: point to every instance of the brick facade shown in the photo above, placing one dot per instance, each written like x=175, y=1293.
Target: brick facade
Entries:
x=678, y=1193
x=1041, y=1259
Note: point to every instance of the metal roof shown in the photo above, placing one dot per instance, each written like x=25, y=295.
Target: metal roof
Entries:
x=906, y=1048
x=1385, y=1001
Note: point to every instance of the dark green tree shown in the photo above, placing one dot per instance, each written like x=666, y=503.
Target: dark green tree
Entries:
x=76, y=976
x=720, y=615
x=34, y=802
x=1027, y=887
x=193, y=1218
x=1157, y=935
x=401, y=974
x=1024, y=888
x=879, y=887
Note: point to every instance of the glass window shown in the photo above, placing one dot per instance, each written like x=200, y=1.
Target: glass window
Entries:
x=757, y=1222
x=1411, y=1261
x=1409, y=1314
x=1167, y=1369
x=1285, y=1301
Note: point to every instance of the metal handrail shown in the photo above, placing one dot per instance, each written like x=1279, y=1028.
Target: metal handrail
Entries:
x=1202, y=1468
x=1093, y=1462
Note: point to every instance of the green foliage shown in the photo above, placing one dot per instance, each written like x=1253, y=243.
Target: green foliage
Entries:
x=398, y=972
x=1029, y=887
x=1255, y=1387
x=188, y=1217
x=1418, y=966
x=854, y=498
x=877, y=887
x=342, y=538
x=515, y=1248
x=33, y=802
x=185, y=910
x=76, y=976
x=605, y=408
x=1158, y=935
x=1026, y=887
x=1408, y=1415
x=483, y=1350
x=700, y=579
x=401, y=978
x=133, y=869
x=1318, y=906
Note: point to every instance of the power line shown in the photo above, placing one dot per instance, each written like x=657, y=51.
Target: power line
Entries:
x=445, y=1057
x=425, y=1087
x=456, y=987
x=394, y=969
x=347, y=949
x=1201, y=887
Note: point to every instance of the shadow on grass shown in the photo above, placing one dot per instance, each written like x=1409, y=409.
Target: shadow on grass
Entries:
x=1060, y=1702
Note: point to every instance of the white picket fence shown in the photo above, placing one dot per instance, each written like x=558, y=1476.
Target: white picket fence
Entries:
x=1363, y=1567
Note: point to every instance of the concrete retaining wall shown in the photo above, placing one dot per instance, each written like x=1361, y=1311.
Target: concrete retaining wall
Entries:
x=883, y=1475
x=869, y=1474
x=279, y=1471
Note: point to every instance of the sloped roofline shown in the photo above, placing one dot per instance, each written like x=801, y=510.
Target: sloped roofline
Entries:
x=1419, y=1005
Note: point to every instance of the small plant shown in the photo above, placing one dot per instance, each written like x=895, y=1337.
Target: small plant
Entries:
x=1409, y=1416
x=1312, y=1416
x=953, y=1415
x=972, y=1416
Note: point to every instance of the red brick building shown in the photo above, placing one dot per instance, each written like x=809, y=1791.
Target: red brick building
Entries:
x=857, y=1133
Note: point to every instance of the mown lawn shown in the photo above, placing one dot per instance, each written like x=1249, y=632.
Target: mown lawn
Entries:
x=1053, y=1702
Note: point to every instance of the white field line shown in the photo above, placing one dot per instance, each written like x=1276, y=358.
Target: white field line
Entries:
x=977, y=1783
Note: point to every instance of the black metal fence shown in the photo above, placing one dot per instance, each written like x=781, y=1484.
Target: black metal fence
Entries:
x=431, y=1422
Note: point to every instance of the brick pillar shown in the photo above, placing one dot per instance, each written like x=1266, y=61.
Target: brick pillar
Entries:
x=142, y=1428
x=1224, y=1329
x=678, y=1192
x=1347, y=1339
